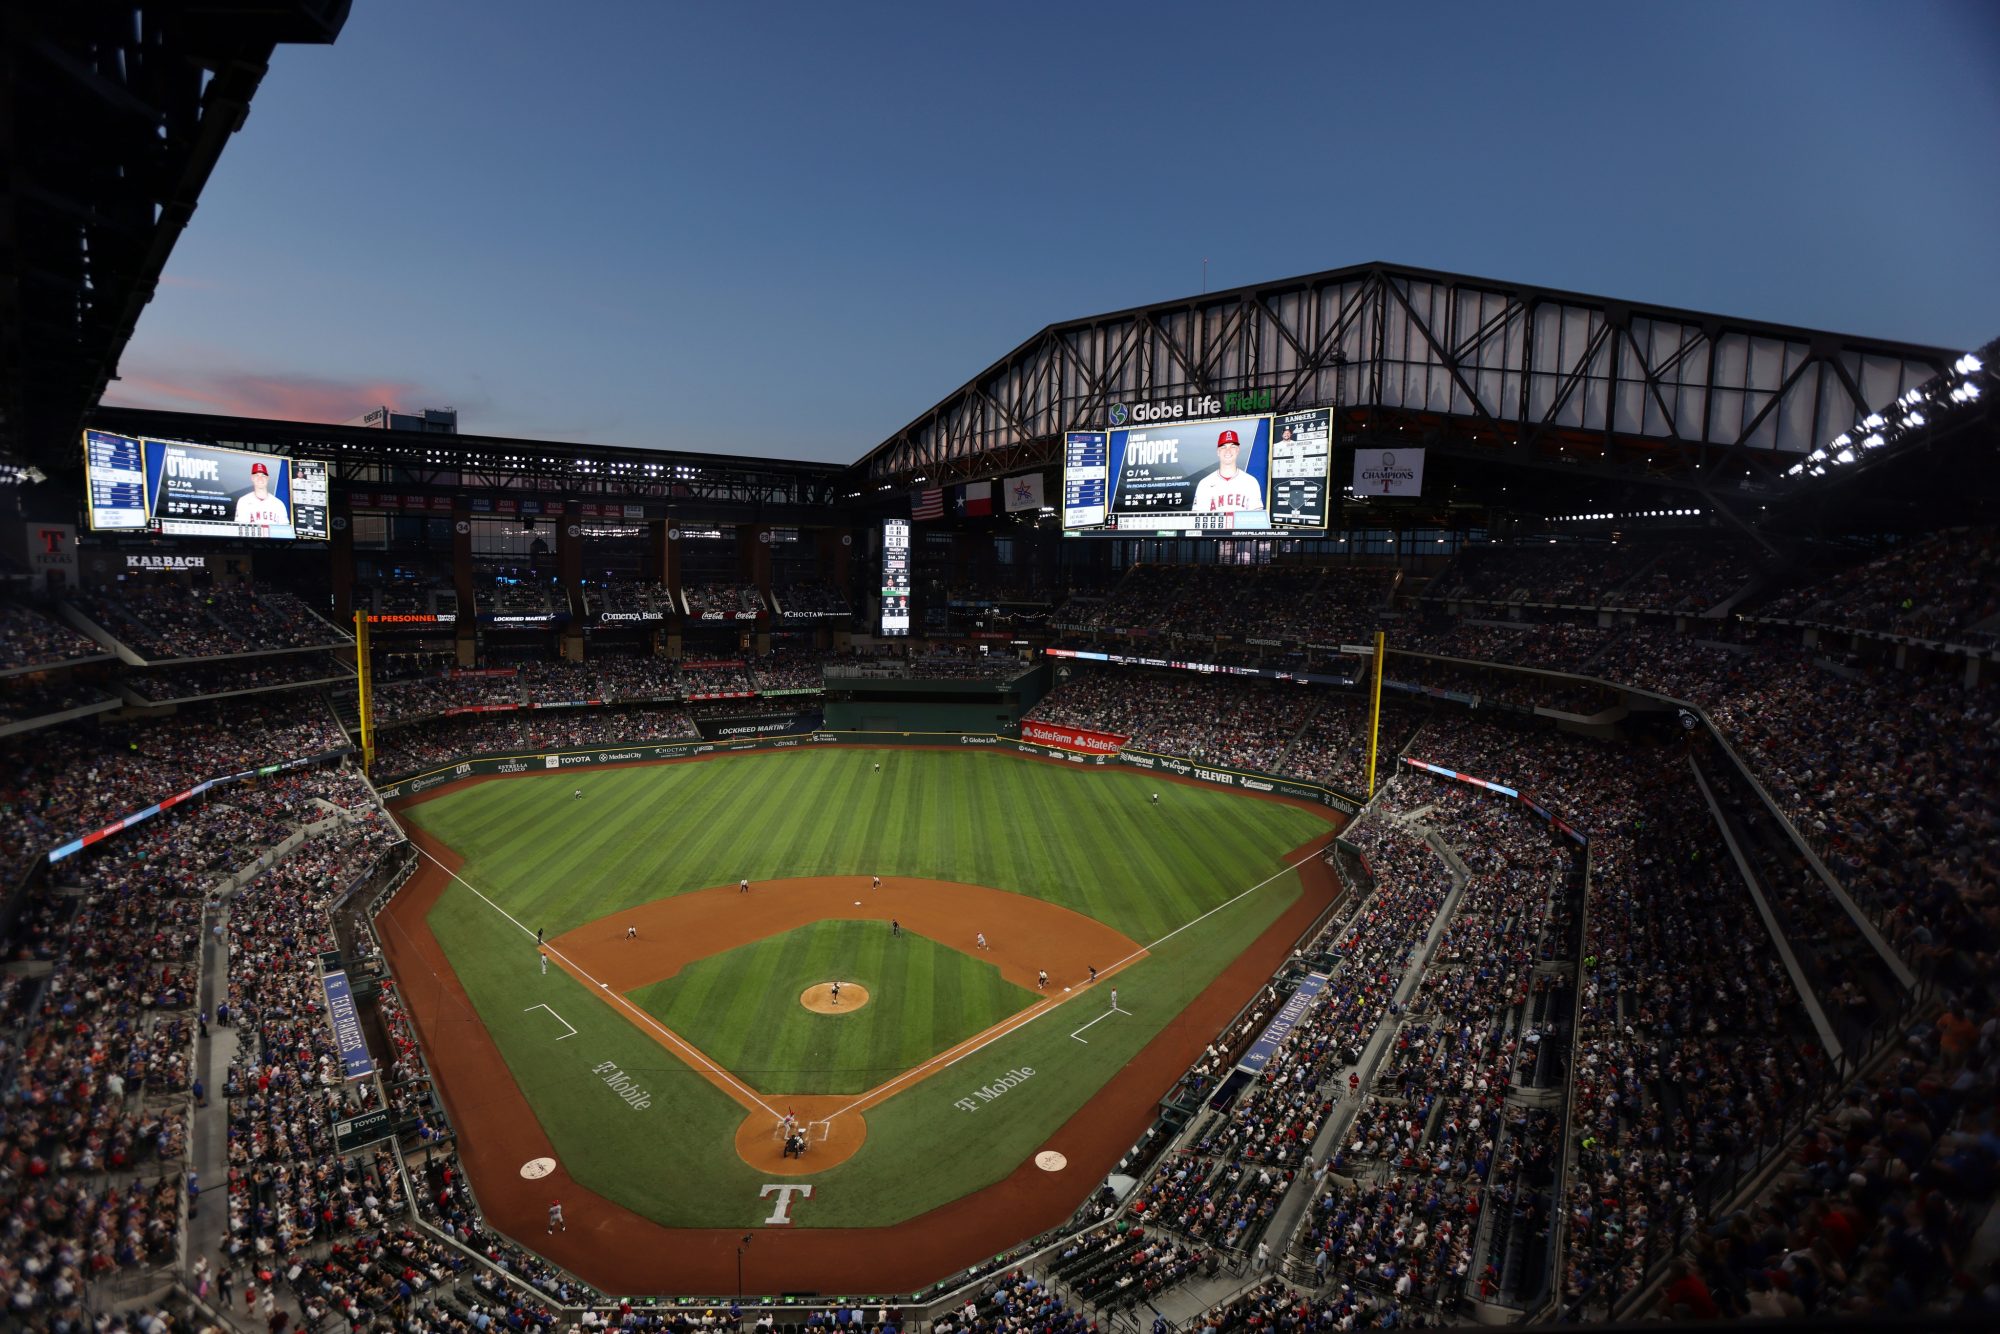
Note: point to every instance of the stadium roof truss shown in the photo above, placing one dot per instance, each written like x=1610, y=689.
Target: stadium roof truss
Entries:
x=422, y=462
x=113, y=114
x=1512, y=374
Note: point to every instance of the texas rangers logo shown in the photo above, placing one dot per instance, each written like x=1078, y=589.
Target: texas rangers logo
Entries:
x=1023, y=491
x=52, y=540
x=1119, y=414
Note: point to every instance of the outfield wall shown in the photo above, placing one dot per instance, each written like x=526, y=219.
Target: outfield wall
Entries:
x=475, y=766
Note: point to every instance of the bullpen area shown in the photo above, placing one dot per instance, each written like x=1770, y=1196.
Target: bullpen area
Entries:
x=945, y=966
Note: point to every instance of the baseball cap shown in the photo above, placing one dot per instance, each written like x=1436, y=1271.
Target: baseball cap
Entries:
x=1227, y=438
x=256, y=468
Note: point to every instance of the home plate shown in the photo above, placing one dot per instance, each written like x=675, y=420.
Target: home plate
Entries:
x=1050, y=1161
x=537, y=1168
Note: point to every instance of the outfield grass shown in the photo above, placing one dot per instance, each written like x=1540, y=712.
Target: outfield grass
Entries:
x=1087, y=838
x=742, y=1007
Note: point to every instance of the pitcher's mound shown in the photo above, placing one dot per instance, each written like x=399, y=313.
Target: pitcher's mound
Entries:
x=820, y=999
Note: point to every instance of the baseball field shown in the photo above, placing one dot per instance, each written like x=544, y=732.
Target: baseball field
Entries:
x=1046, y=950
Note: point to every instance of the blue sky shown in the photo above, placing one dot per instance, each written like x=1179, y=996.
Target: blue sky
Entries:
x=790, y=229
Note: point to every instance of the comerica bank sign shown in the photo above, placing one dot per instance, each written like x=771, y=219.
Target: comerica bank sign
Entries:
x=1231, y=404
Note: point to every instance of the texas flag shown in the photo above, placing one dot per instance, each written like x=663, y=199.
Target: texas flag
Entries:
x=975, y=499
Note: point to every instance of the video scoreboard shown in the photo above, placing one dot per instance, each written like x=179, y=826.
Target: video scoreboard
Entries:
x=1267, y=473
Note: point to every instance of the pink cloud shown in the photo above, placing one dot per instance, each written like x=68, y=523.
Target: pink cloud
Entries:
x=287, y=397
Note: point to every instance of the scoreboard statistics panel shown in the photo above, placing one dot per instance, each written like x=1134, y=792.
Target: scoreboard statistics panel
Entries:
x=1301, y=464
x=180, y=489
x=1207, y=475
x=895, y=577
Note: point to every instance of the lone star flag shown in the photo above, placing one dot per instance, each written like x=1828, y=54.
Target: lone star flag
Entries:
x=1023, y=493
x=976, y=499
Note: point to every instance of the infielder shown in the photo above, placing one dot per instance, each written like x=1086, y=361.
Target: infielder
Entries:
x=1227, y=490
x=743, y=886
x=982, y=940
x=878, y=882
x=260, y=507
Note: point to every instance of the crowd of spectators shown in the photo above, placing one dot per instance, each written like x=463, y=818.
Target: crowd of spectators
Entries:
x=30, y=638
x=1540, y=571
x=809, y=599
x=958, y=662
x=790, y=668
x=406, y=750
x=633, y=676
x=430, y=696
x=716, y=676
x=628, y=599
x=22, y=699
x=166, y=620
x=288, y=671
x=723, y=602
x=1945, y=586
x=1296, y=603
x=59, y=783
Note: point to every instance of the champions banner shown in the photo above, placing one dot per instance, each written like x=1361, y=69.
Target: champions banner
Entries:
x=346, y=1020
x=1074, y=738
x=1281, y=1025
x=1388, y=472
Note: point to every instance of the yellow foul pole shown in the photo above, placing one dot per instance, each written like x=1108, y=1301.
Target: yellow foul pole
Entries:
x=1375, y=709
x=362, y=687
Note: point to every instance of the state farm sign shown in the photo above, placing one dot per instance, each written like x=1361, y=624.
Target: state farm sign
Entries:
x=1074, y=738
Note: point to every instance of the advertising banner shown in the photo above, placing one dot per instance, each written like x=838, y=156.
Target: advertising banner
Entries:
x=1074, y=738
x=774, y=724
x=1282, y=1023
x=346, y=1021
x=1388, y=472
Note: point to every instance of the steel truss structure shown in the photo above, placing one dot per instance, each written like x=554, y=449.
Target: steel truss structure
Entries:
x=1517, y=375
x=421, y=463
x=112, y=117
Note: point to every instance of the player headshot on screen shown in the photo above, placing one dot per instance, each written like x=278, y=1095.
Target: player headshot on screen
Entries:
x=260, y=506
x=1228, y=490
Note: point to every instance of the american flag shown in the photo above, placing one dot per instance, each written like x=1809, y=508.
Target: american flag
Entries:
x=927, y=504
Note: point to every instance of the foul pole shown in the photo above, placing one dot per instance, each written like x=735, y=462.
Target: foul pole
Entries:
x=362, y=690
x=1375, y=709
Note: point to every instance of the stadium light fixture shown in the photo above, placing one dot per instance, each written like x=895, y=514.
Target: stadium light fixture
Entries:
x=1844, y=456
x=1968, y=365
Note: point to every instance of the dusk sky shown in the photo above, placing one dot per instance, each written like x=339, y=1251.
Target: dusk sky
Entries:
x=790, y=229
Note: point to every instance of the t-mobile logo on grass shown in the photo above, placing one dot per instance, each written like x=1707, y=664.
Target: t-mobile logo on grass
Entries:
x=1011, y=1079
x=622, y=1084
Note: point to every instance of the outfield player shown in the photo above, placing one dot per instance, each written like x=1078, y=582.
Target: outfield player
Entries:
x=1228, y=490
x=260, y=507
x=555, y=1216
x=1156, y=798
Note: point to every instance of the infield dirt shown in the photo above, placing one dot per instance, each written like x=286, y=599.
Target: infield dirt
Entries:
x=623, y=1252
